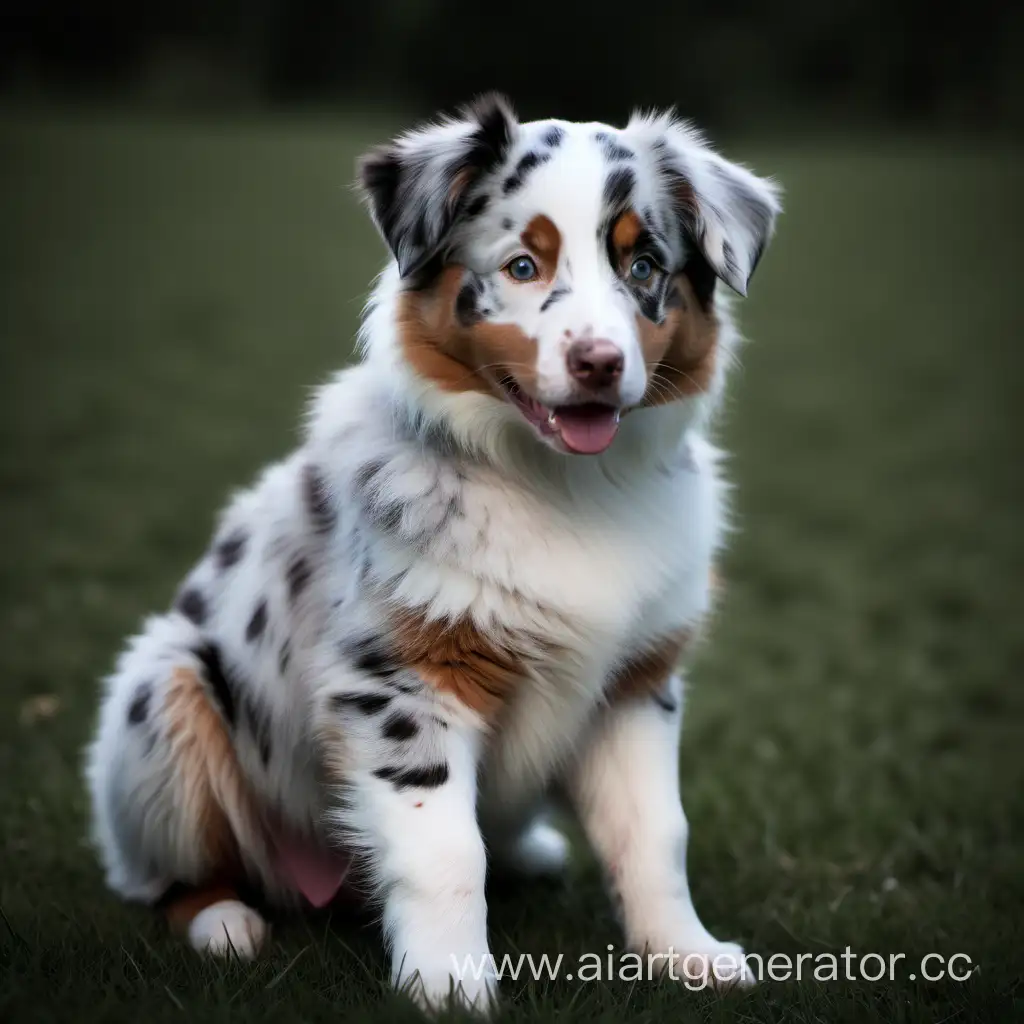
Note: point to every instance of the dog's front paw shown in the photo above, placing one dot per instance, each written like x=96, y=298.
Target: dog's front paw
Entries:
x=710, y=965
x=436, y=987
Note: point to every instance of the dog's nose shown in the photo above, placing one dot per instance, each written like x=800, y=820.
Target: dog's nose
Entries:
x=595, y=362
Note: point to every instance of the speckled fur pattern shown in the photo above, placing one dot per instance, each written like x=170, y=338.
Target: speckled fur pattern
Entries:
x=411, y=633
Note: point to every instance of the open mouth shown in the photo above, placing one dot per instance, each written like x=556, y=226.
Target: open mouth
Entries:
x=587, y=428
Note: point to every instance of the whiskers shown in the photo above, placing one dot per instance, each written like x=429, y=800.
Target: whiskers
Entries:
x=669, y=390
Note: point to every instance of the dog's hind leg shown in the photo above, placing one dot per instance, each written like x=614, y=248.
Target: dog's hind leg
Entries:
x=173, y=815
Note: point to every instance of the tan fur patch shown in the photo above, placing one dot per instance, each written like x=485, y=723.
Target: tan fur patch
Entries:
x=216, y=799
x=648, y=673
x=458, y=658
x=681, y=354
x=455, y=356
x=544, y=241
x=626, y=231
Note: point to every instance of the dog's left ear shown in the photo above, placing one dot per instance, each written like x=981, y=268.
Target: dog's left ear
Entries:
x=723, y=208
x=419, y=185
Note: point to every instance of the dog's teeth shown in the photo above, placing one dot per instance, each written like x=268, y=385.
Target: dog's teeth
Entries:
x=551, y=419
x=618, y=415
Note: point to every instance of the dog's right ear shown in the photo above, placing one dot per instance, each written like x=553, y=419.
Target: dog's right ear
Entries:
x=419, y=185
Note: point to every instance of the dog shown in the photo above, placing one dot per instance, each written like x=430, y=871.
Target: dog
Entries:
x=468, y=591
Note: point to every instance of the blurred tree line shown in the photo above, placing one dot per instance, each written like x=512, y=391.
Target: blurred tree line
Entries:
x=733, y=63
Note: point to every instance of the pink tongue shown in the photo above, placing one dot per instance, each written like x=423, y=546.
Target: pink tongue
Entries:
x=586, y=429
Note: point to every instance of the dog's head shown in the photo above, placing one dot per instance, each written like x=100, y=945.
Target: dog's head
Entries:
x=566, y=270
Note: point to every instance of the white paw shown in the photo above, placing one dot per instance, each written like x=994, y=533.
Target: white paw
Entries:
x=226, y=928
x=540, y=850
x=714, y=965
x=434, y=990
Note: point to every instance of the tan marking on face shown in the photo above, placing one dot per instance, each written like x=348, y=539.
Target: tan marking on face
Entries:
x=681, y=353
x=544, y=241
x=460, y=659
x=626, y=231
x=455, y=356
x=207, y=773
x=648, y=673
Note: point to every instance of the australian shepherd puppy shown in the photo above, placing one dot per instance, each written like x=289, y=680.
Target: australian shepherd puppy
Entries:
x=471, y=587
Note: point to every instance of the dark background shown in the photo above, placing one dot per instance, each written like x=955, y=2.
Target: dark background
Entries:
x=181, y=260
x=731, y=65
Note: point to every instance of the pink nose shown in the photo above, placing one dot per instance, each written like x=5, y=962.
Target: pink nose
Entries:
x=595, y=362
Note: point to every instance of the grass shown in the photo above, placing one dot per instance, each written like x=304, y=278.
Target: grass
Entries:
x=852, y=762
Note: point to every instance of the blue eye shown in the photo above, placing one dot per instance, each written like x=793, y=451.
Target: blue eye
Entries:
x=642, y=269
x=522, y=268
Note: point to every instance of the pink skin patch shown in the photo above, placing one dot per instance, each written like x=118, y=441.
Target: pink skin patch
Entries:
x=586, y=429
x=313, y=870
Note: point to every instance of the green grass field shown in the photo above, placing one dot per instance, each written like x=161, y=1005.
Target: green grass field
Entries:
x=853, y=766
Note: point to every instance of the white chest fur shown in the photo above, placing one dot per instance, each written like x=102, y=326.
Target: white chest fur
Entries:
x=597, y=559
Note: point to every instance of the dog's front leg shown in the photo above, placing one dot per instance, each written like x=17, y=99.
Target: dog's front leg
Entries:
x=625, y=787
x=408, y=767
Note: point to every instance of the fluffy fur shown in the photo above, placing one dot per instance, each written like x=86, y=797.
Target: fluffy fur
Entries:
x=434, y=615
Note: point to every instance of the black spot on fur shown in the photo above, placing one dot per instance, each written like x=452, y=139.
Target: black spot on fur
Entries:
x=284, y=657
x=729, y=256
x=526, y=163
x=258, y=622
x=367, y=703
x=612, y=149
x=213, y=669
x=665, y=701
x=192, y=605
x=318, y=500
x=477, y=206
x=231, y=548
x=555, y=295
x=427, y=777
x=492, y=137
x=466, y=308
x=298, y=574
x=554, y=136
x=385, y=515
x=367, y=473
x=139, y=707
x=649, y=302
x=619, y=187
x=425, y=275
x=702, y=277
x=400, y=726
x=370, y=655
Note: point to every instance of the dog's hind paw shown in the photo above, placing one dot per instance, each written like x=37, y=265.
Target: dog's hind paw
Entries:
x=228, y=928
